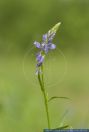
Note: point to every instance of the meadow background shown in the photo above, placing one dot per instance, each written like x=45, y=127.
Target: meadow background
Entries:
x=66, y=69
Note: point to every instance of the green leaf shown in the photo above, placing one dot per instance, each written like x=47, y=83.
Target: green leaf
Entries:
x=62, y=127
x=56, y=97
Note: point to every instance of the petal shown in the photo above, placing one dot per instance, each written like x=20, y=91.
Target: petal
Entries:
x=52, y=46
x=46, y=48
x=44, y=37
x=37, y=44
x=39, y=59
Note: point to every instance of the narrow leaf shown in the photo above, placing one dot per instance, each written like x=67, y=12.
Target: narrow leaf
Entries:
x=56, y=97
x=62, y=127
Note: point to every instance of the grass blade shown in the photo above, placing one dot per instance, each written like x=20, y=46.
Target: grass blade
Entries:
x=56, y=97
x=62, y=127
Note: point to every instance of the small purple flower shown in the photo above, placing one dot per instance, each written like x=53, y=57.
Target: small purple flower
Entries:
x=47, y=44
x=45, y=37
x=37, y=44
x=52, y=46
x=39, y=59
x=47, y=47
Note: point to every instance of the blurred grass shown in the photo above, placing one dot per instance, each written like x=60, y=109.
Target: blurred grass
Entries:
x=21, y=104
x=23, y=21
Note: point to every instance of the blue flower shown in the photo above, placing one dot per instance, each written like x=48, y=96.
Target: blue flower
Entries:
x=39, y=59
x=37, y=44
x=44, y=47
x=47, y=47
x=47, y=44
x=45, y=37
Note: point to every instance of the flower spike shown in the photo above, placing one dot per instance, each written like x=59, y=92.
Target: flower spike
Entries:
x=46, y=45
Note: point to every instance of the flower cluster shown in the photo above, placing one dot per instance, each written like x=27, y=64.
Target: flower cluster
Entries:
x=45, y=46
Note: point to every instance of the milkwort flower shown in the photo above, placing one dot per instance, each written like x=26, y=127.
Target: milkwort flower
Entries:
x=45, y=46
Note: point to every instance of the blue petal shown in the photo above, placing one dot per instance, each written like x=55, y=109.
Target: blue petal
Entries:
x=44, y=37
x=39, y=59
x=37, y=44
x=46, y=49
x=52, y=46
x=38, y=56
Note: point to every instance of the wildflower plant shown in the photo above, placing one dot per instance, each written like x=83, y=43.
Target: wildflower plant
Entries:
x=43, y=48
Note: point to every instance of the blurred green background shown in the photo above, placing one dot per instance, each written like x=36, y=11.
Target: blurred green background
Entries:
x=66, y=68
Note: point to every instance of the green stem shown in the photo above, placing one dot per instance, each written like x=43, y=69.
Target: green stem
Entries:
x=41, y=82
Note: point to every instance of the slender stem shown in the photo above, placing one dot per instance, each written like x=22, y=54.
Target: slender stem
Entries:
x=41, y=82
x=46, y=106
